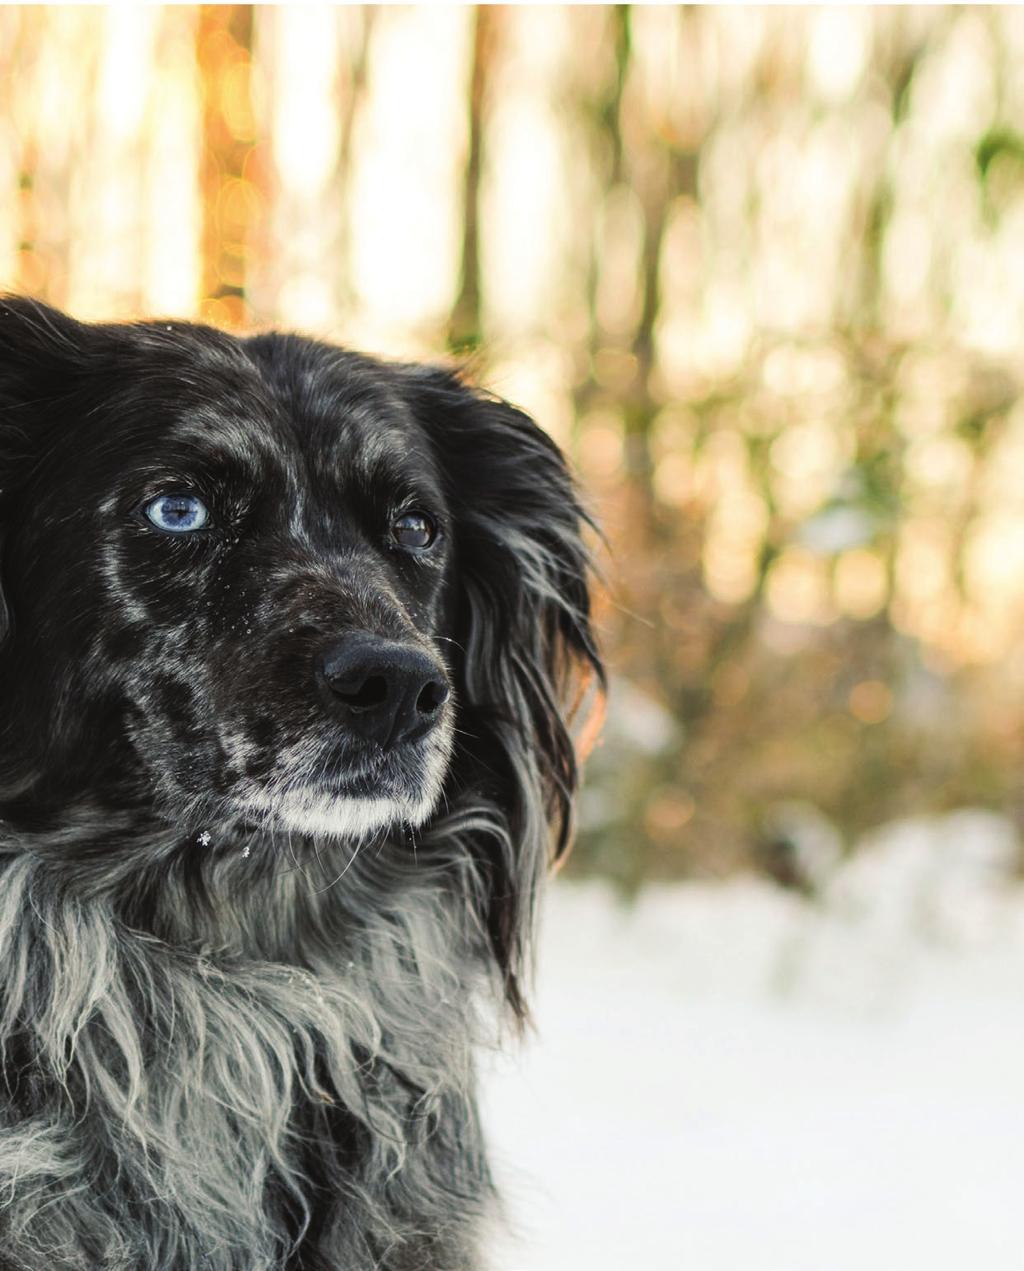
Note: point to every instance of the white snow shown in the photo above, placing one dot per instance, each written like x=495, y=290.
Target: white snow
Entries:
x=729, y=1078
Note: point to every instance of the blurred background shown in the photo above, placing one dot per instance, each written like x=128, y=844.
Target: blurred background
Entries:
x=761, y=272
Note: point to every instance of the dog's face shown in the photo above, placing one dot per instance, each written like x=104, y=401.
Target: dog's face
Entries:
x=243, y=549
x=279, y=547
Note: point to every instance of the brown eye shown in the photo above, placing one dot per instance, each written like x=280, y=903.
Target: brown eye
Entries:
x=416, y=530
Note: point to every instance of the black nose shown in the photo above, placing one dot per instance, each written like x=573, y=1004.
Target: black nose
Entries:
x=385, y=690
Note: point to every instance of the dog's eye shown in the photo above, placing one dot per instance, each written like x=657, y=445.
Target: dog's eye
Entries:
x=414, y=529
x=177, y=513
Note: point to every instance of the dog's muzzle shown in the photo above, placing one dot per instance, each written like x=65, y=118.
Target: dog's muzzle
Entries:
x=385, y=691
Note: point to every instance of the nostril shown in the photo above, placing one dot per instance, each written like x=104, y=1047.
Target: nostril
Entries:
x=372, y=692
x=432, y=697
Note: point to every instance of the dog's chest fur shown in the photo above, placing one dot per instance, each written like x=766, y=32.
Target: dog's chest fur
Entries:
x=202, y=1104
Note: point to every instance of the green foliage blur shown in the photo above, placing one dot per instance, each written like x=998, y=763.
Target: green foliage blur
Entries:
x=808, y=448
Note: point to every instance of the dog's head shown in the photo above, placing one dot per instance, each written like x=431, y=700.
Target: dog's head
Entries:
x=266, y=583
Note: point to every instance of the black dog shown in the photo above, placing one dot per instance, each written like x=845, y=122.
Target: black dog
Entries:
x=288, y=640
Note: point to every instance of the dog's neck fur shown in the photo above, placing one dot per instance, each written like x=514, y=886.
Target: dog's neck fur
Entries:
x=257, y=1100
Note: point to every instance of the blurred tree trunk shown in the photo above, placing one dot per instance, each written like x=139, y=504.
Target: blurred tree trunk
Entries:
x=224, y=56
x=351, y=96
x=464, y=324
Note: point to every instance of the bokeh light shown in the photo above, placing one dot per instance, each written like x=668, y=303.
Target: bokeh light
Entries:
x=760, y=271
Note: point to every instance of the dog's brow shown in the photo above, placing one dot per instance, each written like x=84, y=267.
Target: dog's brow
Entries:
x=404, y=478
x=382, y=455
x=227, y=433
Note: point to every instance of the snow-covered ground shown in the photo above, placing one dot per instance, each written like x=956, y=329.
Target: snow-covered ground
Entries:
x=728, y=1078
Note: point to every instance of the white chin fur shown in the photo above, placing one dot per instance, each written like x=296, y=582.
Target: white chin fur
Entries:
x=310, y=812
x=307, y=809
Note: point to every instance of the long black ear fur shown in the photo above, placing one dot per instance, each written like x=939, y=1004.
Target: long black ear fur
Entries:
x=41, y=352
x=525, y=645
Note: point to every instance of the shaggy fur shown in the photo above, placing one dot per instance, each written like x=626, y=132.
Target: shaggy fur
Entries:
x=246, y=955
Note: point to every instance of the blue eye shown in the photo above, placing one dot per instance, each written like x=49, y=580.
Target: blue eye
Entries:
x=177, y=513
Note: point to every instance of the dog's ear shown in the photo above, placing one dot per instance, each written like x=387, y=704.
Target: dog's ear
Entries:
x=524, y=650
x=41, y=354
x=39, y=348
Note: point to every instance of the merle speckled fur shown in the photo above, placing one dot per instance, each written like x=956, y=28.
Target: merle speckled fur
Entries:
x=243, y=962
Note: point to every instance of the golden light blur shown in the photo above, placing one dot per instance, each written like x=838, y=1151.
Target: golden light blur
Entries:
x=760, y=271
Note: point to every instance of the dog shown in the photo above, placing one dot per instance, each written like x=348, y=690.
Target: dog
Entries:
x=290, y=643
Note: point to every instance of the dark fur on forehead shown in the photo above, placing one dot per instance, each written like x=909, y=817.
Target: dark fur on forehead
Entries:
x=245, y=955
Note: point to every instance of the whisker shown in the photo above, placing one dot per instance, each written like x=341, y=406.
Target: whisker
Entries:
x=355, y=853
